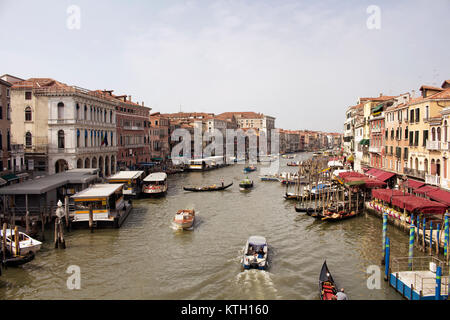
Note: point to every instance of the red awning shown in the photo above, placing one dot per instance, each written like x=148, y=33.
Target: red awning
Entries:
x=414, y=184
x=440, y=195
x=372, y=172
x=425, y=189
x=413, y=203
x=350, y=174
x=383, y=176
x=386, y=194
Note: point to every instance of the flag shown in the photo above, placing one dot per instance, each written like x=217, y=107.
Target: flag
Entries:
x=105, y=140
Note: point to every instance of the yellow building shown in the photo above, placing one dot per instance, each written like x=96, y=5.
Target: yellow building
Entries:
x=427, y=161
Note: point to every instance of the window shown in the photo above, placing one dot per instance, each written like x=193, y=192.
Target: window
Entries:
x=8, y=113
x=28, y=115
x=406, y=133
x=411, y=118
x=60, y=110
x=1, y=112
x=417, y=114
x=425, y=137
x=61, y=139
x=416, y=140
x=28, y=95
x=1, y=141
x=28, y=140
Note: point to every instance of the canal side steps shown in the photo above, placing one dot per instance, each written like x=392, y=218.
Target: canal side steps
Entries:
x=415, y=278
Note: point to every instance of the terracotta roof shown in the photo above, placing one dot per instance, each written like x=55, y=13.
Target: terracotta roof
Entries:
x=244, y=115
x=446, y=83
x=381, y=98
x=425, y=87
x=34, y=83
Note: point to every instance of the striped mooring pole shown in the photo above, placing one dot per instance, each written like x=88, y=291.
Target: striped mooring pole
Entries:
x=438, y=283
x=446, y=234
x=438, y=231
x=411, y=245
x=431, y=238
x=424, y=226
x=385, y=215
x=386, y=260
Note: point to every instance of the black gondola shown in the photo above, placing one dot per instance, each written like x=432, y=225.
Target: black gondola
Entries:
x=208, y=188
x=15, y=261
x=327, y=286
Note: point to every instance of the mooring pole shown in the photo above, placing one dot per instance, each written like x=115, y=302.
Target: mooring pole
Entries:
x=424, y=224
x=446, y=238
x=384, y=236
x=431, y=238
x=438, y=283
x=411, y=245
x=438, y=231
x=386, y=261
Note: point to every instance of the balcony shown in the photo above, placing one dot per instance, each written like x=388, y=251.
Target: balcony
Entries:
x=376, y=130
x=348, y=133
x=375, y=149
x=132, y=128
x=415, y=173
x=433, y=145
x=434, y=180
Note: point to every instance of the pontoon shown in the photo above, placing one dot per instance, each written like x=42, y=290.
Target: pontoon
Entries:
x=132, y=181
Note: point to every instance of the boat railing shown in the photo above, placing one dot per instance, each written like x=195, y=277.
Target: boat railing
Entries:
x=400, y=264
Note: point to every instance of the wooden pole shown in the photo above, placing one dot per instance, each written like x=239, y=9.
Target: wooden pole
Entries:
x=66, y=211
x=61, y=236
x=5, y=226
x=56, y=233
x=42, y=224
x=91, y=218
x=16, y=239
x=27, y=216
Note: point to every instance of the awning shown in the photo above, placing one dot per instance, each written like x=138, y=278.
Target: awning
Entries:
x=23, y=175
x=364, y=142
x=414, y=184
x=10, y=177
x=440, y=195
x=425, y=190
x=378, y=108
x=413, y=203
x=383, y=176
x=387, y=194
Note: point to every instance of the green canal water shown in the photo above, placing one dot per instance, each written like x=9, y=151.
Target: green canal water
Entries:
x=147, y=259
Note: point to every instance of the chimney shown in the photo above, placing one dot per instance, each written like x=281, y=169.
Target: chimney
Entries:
x=143, y=103
x=381, y=94
x=129, y=98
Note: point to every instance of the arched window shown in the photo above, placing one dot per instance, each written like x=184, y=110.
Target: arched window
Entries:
x=78, y=138
x=78, y=113
x=61, y=139
x=85, y=112
x=60, y=110
x=439, y=133
x=28, y=114
x=28, y=140
x=85, y=138
x=433, y=134
x=445, y=131
x=110, y=117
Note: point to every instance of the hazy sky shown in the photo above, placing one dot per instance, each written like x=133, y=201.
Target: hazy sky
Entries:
x=303, y=62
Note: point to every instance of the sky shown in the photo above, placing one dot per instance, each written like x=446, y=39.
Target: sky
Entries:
x=303, y=62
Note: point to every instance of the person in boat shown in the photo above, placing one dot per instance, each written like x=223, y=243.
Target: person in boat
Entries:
x=261, y=253
x=341, y=295
x=250, y=250
x=222, y=182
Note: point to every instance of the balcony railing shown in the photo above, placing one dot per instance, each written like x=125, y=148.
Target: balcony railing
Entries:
x=375, y=149
x=433, y=145
x=445, y=183
x=433, y=179
x=415, y=173
x=376, y=130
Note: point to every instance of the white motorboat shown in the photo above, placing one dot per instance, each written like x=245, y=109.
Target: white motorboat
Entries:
x=255, y=253
x=26, y=243
x=155, y=184
x=184, y=219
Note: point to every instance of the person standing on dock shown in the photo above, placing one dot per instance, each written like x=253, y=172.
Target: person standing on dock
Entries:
x=341, y=295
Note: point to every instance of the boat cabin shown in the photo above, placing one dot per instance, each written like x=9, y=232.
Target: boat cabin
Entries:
x=132, y=181
x=155, y=183
x=106, y=200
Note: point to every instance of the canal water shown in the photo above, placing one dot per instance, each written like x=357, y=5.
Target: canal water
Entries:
x=147, y=259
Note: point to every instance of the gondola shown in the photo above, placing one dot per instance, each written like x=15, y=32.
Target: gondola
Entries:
x=15, y=261
x=327, y=286
x=208, y=188
x=338, y=216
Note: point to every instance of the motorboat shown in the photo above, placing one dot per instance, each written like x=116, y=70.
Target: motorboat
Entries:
x=249, y=169
x=184, y=218
x=268, y=177
x=155, y=184
x=213, y=187
x=246, y=184
x=26, y=243
x=255, y=253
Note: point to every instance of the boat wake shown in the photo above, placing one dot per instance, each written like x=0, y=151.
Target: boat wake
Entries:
x=257, y=284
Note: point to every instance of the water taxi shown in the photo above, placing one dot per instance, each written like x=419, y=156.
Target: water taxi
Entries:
x=155, y=184
x=255, y=253
x=132, y=181
x=26, y=243
x=184, y=219
x=246, y=184
x=249, y=169
x=106, y=202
